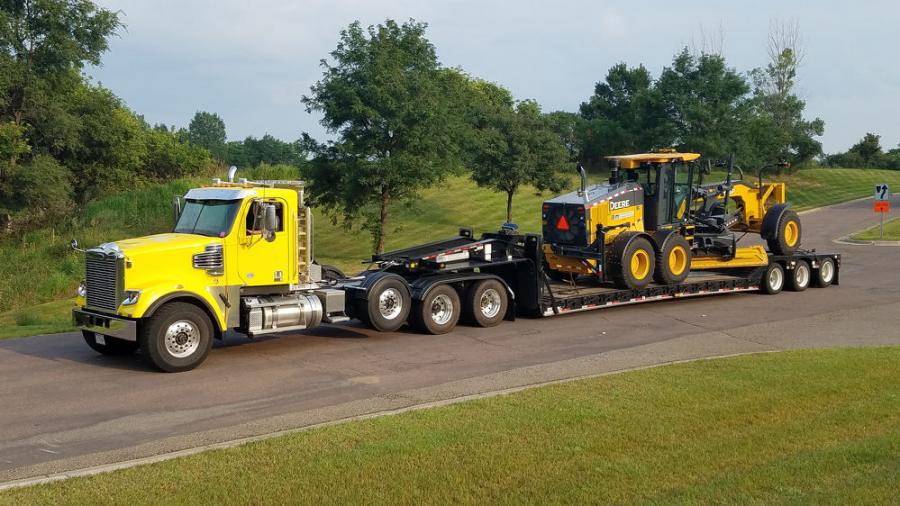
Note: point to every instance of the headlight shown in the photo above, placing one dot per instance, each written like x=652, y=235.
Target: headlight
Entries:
x=131, y=297
x=82, y=291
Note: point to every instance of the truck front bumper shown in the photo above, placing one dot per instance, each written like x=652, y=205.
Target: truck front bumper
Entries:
x=105, y=324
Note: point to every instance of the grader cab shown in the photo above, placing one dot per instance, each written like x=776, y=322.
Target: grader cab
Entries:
x=655, y=219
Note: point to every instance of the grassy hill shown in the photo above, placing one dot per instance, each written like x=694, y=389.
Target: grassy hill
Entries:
x=39, y=266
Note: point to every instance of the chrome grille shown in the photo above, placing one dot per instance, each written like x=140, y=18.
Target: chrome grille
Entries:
x=212, y=260
x=103, y=281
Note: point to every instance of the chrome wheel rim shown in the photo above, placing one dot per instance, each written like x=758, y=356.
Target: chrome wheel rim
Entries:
x=182, y=339
x=490, y=303
x=390, y=304
x=441, y=309
x=776, y=279
x=826, y=271
x=802, y=275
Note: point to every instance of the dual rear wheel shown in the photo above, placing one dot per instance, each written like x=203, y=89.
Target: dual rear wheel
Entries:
x=798, y=278
x=390, y=305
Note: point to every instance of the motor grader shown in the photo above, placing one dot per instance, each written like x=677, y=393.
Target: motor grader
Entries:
x=655, y=220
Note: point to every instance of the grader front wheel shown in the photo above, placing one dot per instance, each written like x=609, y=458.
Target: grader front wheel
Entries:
x=785, y=239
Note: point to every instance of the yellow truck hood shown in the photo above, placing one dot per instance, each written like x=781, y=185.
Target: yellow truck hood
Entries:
x=163, y=259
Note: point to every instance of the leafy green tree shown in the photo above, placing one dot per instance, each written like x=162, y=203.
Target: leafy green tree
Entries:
x=43, y=40
x=385, y=97
x=706, y=104
x=515, y=145
x=266, y=150
x=778, y=129
x=43, y=189
x=625, y=115
x=208, y=130
x=568, y=126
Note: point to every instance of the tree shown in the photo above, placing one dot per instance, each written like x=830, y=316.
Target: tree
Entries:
x=386, y=98
x=515, y=146
x=779, y=130
x=705, y=104
x=208, y=130
x=624, y=115
x=41, y=39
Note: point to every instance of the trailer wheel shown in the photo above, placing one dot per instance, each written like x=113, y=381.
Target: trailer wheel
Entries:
x=112, y=346
x=486, y=303
x=773, y=279
x=800, y=277
x=388, y=304
x=825, y=273
x=438, y=312
x=635, y=265
x=673, y=261
x=786, y=238
x=177, y=337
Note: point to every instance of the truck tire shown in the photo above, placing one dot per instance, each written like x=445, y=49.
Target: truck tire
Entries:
x=673, y=260
x=332, y=274
x=800, y=277
x=772, y=281
x=177, y=337
x=785, y=239
x=438, y=312
x=824, y=275
x=486, y=303
x=635, y=265
x=387, y=306
x=114, y=347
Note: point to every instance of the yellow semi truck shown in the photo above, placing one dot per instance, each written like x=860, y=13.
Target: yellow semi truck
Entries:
x=240, y=258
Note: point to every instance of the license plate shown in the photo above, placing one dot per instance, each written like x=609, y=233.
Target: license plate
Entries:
x=99, y=339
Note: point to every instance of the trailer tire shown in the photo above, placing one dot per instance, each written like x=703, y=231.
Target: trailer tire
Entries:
x=486, y=303
x=114, y=347
x=673, y=260
x=800, y=278
x=785, y=238
x=438, y=312
x=177, y=337
x=772, y=281
x=388, y=304
x=824, y=275
x=634, y=265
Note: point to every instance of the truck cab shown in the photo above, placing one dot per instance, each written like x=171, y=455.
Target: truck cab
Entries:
x=239, y=257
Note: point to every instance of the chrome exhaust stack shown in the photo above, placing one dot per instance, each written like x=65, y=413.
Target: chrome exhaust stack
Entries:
x=231, y=171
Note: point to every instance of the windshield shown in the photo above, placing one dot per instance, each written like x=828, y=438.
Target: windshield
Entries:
x=212, y=218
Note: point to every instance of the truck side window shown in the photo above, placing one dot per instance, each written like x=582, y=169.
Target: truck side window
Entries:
x=256, y=217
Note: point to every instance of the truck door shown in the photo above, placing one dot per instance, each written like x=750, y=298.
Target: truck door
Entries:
x=264, y=260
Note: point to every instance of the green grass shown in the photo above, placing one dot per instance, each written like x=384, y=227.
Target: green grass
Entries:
x=46, y=318
x=39, y=267
x=803, y=427
x=891, y=232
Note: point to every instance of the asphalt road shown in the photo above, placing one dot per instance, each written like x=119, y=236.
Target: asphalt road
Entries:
x=63, y=407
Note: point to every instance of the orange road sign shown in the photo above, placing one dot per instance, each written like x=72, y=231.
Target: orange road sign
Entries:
x=882, y=206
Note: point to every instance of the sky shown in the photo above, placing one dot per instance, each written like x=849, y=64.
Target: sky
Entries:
x=251, y=61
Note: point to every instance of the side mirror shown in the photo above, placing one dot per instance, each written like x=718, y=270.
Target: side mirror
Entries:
x=271, y=222
x=176, y=207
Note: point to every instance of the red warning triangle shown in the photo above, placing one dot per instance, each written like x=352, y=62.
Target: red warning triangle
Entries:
x=562, y=224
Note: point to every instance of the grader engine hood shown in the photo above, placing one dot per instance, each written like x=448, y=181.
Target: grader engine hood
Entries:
x=569, y=219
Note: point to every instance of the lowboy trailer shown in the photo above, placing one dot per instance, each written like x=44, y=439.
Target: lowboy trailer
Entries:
x=501, y=276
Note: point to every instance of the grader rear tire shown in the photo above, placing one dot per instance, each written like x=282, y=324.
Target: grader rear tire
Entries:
x=673, y=260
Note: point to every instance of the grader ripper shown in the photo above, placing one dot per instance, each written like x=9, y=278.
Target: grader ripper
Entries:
x=656, y=220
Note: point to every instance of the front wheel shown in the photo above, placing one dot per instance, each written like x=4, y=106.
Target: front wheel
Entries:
x=109, y=345
x=177, y=337
x=786, y=238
